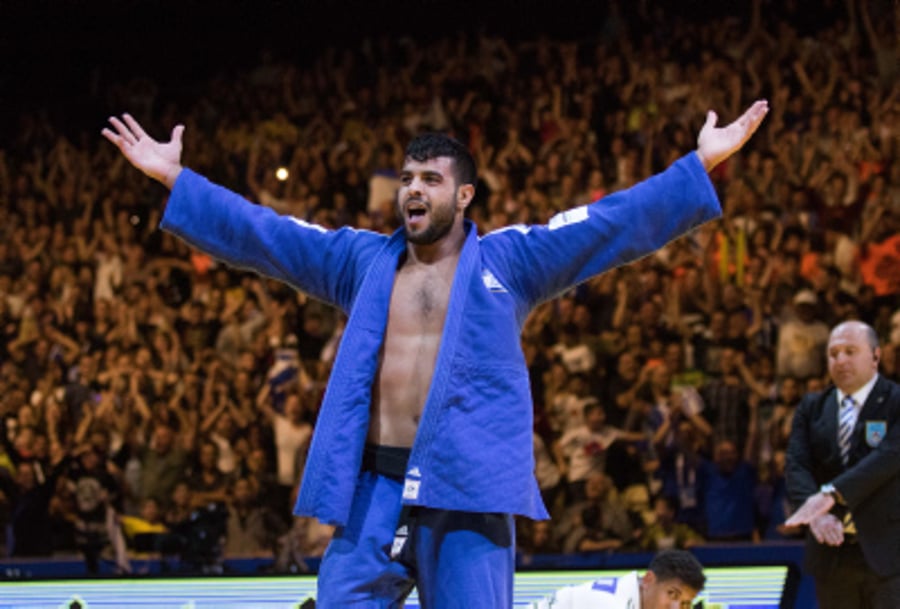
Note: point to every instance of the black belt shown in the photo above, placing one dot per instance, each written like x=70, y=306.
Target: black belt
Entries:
x=390, y=461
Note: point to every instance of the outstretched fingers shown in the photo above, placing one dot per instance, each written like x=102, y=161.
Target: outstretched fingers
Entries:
x=754, y=115
x=158, y=160
x=121, y=135
x=112, y=137
x=135, y=127
x=714, y=144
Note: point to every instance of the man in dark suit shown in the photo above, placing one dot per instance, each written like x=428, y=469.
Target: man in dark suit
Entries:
x=843, y=466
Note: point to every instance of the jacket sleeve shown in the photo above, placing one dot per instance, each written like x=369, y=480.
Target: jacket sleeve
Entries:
x=540, y=262
x=799, y=477
x=326, y=264
x=878, y=467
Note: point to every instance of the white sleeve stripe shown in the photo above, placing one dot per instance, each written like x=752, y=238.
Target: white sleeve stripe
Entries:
x=322, y=229
x=563, y=218
x=521, y=228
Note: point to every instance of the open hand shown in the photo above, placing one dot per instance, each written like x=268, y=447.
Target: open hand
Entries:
x=715, y=144
x=160, y=161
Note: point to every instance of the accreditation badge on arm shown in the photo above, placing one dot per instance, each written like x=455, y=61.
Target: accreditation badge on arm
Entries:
x=875, y=432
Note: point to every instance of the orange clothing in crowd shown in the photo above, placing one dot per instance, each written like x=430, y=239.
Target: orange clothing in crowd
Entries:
x=880, y=266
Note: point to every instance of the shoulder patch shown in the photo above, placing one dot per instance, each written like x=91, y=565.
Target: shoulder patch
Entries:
x=570, y=216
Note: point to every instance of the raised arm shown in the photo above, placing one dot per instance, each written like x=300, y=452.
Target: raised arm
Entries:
x=539, y=262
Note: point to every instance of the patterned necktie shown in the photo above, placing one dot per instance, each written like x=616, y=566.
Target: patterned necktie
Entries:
x=845, y=426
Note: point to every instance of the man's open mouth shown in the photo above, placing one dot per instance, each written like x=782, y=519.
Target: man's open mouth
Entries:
x=415, y=210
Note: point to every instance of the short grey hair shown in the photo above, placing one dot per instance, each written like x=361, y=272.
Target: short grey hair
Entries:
x=868, y=331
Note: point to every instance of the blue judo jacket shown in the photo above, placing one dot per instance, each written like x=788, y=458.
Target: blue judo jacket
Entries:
x=473, y=449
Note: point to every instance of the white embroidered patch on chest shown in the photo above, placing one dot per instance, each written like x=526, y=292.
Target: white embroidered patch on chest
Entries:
x=491, y=282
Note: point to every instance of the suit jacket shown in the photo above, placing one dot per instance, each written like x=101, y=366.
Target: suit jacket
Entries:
x=869, y=483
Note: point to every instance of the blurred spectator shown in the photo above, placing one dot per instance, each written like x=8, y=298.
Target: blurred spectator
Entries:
x=163, y=464
x=665, y=533
x=574, y=351
x=772, y=503
x=597, y=522
x=801, y=340
x=29, y=489
x=727, y=402
x=777, y=429
x=728, y=484
x=680, y=475
x=252, y=528
x=145, y=533
x=581, y=451
x=620, y=390
x=207, y=482
x=567, y=408
x=292, y=435
x=536, y=538
x=669, y=406
x=549, y=478
x=97, y=508
x=179, y=505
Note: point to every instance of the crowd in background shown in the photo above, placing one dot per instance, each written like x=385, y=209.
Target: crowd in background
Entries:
x=147, y=391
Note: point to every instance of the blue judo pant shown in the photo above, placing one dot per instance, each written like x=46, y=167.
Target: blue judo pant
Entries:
x=453, y=559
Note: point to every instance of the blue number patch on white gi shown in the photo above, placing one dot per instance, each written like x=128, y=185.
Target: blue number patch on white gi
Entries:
x=606, y=584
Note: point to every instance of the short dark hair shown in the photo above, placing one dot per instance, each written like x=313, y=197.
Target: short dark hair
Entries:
x=433, y=145
x=678, y=564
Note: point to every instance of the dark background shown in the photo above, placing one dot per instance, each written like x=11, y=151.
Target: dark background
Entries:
x=60, y=54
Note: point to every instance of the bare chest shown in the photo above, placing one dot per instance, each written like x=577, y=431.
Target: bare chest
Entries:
x=412, y=340
x=419, y=301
